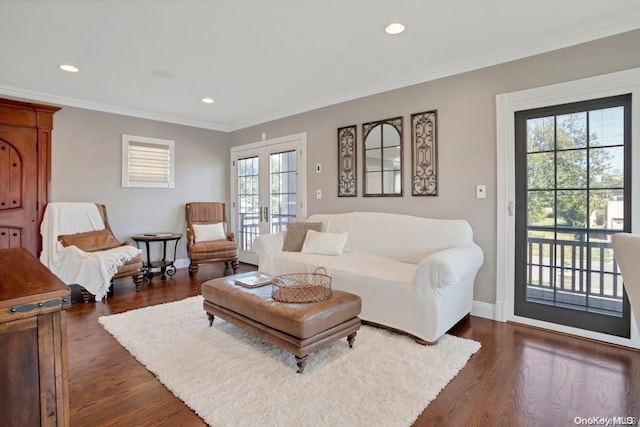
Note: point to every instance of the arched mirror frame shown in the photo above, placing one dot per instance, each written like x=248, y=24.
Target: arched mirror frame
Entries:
x=396, y=123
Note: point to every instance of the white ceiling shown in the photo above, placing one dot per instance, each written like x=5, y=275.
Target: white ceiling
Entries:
x=265, y=59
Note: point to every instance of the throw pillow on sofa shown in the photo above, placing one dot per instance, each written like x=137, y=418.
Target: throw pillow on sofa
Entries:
x=324, y=243
x=296, y=234
x=209, y=232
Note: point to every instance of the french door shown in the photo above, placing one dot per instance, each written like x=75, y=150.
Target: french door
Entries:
x=573, y=191
x=268, y=189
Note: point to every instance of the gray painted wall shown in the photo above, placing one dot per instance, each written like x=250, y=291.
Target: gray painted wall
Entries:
x=466, y=136
x=86, y=157
x=86, y=167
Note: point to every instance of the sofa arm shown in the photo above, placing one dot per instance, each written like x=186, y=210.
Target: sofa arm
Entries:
x=449, y=266
x=266, y=244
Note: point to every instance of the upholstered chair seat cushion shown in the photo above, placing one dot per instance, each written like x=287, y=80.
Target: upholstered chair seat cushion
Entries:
x=134, y=264
x=208, y=256
x=216, y=248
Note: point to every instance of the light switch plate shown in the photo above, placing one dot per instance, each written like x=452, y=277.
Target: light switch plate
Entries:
x=318, y=194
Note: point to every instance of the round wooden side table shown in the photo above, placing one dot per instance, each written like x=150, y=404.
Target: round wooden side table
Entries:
x=166, y=266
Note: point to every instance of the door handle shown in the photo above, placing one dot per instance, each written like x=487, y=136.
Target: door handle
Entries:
x=266, y=213
x=260, y=213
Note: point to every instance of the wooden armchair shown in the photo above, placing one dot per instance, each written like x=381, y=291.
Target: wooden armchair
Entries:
x=208, y=236
x=79, y=225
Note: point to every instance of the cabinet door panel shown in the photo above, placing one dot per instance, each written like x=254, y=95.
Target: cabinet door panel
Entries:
x=19, y=381
x=19, y=188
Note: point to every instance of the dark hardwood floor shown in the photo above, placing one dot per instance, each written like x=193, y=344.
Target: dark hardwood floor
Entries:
x=520, y=377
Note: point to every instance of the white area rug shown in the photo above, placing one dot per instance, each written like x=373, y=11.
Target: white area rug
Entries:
x=230, y=378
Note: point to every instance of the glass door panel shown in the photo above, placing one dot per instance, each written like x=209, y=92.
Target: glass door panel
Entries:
x=268, y=190
x=248, y=202
x=283, y=197
x=573, y=192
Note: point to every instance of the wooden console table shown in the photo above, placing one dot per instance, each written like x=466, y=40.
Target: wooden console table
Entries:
x=33, y=343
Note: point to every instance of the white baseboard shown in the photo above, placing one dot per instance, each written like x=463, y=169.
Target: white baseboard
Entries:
x=484, y=309
x=181, y=263
x=499, y=311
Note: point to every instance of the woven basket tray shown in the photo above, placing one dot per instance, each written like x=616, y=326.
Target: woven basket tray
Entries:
x=302, y=287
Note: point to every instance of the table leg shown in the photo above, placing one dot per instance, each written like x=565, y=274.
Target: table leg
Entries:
x=351, y=338
x=164, y=260
x=149, y=274
x=301, y=362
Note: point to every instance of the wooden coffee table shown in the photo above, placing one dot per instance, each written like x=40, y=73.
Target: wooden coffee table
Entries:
x=300, y=329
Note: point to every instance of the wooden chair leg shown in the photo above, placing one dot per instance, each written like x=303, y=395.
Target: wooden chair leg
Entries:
x=86, y=296
x=137, y=280
x=193, y=270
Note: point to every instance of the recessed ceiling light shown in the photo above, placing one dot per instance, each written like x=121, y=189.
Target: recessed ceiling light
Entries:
x=207, y=100
x=162, y=74
x=394, y=28
x=69, y=68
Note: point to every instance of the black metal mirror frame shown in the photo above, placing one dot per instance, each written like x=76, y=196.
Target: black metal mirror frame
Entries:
x=424, y=153
x=347, y=161
x=366, y=129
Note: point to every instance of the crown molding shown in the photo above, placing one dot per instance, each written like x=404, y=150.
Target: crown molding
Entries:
x=30, y=95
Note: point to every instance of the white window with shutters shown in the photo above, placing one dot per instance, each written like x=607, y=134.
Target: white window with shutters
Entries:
x=147, y=162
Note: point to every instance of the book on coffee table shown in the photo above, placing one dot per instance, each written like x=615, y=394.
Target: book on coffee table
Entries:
x=253, y=279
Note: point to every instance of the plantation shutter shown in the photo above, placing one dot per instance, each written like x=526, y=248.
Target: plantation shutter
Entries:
x=147, y=162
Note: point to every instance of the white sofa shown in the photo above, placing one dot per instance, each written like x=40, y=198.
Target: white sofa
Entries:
x=413, y=274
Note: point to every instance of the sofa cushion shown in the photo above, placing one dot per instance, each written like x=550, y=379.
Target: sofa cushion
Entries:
x=296, y=233
x=91, y=241
x=376, y=269
x=324, y=243
x=336, y=223
x=405, y=238
x=209, y=232
x=387, y=289
x=295, y=262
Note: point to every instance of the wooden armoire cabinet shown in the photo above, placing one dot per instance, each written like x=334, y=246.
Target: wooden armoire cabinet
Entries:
x=33, y=343
x=25, y=172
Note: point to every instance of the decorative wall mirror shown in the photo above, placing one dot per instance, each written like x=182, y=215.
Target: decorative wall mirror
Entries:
x=382, y=147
